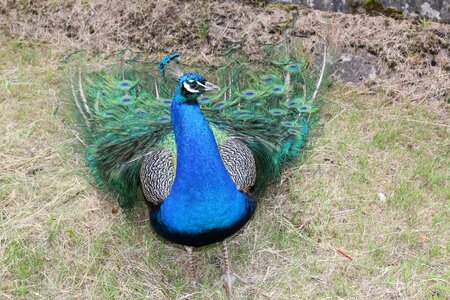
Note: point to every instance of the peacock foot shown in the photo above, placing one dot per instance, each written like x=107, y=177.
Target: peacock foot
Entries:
x=229, y=279
x=228, y=276
x=228, y=283
x=234, y=277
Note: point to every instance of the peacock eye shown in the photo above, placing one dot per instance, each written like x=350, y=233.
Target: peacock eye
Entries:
x=190, y=86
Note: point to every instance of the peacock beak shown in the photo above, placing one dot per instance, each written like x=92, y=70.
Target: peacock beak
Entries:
x=210, y=86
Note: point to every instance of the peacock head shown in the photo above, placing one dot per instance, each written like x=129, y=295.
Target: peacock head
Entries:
x=191, y=86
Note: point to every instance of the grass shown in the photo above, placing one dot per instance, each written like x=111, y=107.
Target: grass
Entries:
x=62, y=238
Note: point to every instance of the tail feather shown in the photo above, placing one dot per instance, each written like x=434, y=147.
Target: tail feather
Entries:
x=270, y=107
x=124, y=110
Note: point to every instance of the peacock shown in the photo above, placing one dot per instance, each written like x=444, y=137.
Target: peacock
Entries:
x=198, y=153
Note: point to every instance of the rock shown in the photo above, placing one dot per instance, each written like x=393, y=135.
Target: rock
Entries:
x=434, y=9
x=382, y=197
x=355, y=66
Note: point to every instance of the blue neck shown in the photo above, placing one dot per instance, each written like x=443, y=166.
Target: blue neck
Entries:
x=203, y=197
x=198, y=158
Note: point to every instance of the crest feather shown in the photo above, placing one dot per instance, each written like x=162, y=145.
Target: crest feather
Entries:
x=170, y=66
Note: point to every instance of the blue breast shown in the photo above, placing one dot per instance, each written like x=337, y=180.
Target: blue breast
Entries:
x=198, y=235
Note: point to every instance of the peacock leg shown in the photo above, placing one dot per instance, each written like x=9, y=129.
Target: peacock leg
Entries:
x=194, y=282
x=228, y=276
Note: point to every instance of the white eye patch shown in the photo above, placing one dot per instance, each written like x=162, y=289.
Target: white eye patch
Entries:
x=189, y=89
x=200, y=84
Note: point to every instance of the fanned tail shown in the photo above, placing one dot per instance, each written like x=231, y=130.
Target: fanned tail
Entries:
x=124, y=112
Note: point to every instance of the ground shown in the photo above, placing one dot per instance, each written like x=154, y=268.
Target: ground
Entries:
x=363, y=215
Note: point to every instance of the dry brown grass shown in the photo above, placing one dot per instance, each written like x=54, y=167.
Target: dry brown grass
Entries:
x=414, y=55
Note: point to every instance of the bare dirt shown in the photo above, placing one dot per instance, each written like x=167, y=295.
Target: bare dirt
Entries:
x=408, y=58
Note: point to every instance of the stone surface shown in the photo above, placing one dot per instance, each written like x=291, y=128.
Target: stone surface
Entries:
x=353, y=66
x=435, y=9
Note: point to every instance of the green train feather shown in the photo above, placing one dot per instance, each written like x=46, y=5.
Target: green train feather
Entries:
x=124, y=111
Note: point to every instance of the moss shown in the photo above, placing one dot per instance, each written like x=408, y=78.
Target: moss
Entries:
x=257, y=3
x=375, y=8
x=286, y=7
x=393, y=13
x=354, y=7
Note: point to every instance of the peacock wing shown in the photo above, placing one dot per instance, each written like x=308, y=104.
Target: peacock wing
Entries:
x=239, y=162
x=157, y=175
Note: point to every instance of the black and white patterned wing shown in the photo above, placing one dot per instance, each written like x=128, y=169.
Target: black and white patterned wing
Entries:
x=157, y=174
x=240, y=163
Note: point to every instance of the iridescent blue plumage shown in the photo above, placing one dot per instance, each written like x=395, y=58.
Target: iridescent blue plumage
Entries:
x=204, y=205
